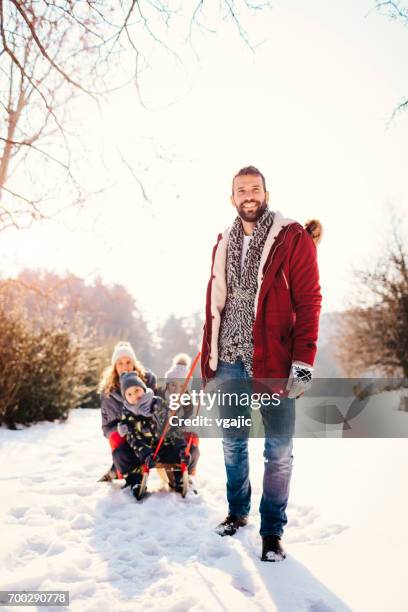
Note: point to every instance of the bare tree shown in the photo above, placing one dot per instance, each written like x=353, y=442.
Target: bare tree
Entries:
x=53, y=52
x=374, y=334
x=395, y=11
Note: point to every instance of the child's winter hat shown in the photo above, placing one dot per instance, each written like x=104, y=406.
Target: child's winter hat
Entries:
x=130, y=379
x=179, y=368
x=123, y=349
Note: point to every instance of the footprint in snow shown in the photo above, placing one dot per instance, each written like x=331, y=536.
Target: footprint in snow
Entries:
x=150, y=548
x=34, y=547
x=54, y=511
x=306, y=525
x=82, y=521
x=37, y=478
x=320, y=606
x=17, y=512
x=80, y=489
x=183, y=606
x=213, y=549
x=36, y=516
x=244, y=584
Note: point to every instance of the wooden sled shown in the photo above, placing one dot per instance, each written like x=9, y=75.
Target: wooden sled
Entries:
x=166, y=470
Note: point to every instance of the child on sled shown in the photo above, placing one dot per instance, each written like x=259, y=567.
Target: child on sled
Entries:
x=142, y=422
x=173, y=384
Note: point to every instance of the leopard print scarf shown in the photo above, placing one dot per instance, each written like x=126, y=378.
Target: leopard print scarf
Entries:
x=235, y=340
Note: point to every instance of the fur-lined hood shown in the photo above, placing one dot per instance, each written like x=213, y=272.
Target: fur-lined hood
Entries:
x=315, y=229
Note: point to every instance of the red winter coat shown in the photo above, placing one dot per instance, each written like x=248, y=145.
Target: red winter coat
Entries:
x=287, y=303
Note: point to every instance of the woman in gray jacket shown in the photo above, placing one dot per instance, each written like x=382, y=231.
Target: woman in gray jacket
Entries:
x=123, y=360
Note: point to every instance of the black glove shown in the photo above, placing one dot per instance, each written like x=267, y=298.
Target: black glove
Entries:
x=150, y=462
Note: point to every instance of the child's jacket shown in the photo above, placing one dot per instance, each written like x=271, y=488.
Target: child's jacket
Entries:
x=144, y=431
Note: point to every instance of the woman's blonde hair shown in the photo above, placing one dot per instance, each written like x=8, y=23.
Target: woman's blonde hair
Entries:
x=110, y=378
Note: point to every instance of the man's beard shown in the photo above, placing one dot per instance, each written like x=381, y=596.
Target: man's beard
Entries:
x=252, y=216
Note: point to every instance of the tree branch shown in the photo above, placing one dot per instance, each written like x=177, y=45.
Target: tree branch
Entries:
x=44, y=52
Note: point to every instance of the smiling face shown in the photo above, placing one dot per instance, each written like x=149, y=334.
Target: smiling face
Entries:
x=124, y=364
x=249, y=197
x=133, y=394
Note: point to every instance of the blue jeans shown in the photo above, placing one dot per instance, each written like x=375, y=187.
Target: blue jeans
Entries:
x=277, y=455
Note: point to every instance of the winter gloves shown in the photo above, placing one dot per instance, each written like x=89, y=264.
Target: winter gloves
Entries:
x=150, y=462
x=300, y=379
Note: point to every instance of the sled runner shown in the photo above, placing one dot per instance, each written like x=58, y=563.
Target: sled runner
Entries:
x=110, y=475
x=166, y=467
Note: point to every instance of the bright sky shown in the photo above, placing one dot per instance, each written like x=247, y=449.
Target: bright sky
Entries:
x=309, y=108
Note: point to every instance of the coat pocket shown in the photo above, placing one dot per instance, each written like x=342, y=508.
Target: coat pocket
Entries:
x=279, y=327
x=280, y=323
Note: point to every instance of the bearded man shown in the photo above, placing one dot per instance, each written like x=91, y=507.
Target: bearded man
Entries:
x=262, y=313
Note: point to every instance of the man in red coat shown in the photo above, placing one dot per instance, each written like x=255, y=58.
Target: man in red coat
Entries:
x=262, y=315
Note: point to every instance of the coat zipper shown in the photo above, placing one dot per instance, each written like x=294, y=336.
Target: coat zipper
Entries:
x=284, y=278
x=208, y=349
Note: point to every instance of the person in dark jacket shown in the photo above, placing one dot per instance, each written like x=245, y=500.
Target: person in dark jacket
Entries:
x=144, y=417
x=174, y=381
x=123, y=360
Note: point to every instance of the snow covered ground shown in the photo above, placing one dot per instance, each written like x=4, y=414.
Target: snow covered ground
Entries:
x=346, y=540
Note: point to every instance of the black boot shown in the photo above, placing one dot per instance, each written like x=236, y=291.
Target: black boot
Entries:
x=230, y=525
x=134, y=481
x=272, y=549
x=136, y=490
x=178, y=481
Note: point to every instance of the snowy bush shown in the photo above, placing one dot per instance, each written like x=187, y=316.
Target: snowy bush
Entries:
x=43, y=369
x=94, y=358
